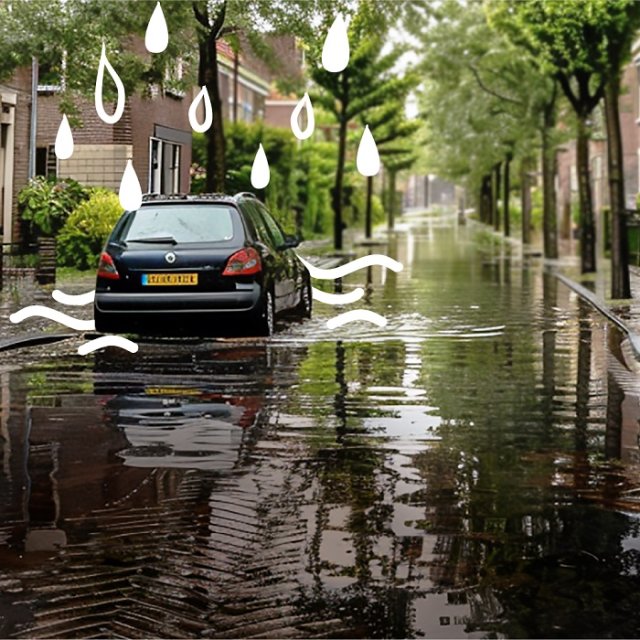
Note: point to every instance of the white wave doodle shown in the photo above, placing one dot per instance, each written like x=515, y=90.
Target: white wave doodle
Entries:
x=337, y=298
x=52, y=314
x=107, y=341
x=372, y=260
x=354, y=316
x=73, y=300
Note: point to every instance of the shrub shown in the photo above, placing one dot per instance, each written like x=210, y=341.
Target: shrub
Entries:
x=47, y=203
x=86, y=230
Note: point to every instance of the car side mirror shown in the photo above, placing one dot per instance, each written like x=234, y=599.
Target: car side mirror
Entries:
x=290, y=242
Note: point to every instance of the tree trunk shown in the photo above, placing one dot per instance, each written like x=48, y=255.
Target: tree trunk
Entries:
x=587, y=223
x=367, y=219
x=486, y=200
x=392, y=200
x=525, y=199
x=620, y=286
x=337, y=189
x=506, y=190
x=208, y=76
x=495, y=210
x=550, y=218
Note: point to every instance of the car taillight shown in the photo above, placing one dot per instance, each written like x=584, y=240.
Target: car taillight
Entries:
x=107, y=268
x=245, y=262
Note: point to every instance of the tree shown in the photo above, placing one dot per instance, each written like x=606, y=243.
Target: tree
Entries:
x=482, y=102
x=585, y=45
x=368, y=81
x=394, y=134
x=620, y=25
x=68, y=36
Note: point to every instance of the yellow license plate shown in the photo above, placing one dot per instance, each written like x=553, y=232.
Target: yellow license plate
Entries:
x=172, y=391
x=169, y=279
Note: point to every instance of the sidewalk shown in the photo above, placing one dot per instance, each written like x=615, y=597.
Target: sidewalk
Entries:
x=595, y=288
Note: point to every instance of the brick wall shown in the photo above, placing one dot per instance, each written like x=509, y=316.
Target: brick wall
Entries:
x=277, y=113
x=20, y=84
x=92, y=129
x=169, y=112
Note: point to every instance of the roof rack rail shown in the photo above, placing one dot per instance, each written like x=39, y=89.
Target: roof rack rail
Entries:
x=246, y=194
x=184, y=196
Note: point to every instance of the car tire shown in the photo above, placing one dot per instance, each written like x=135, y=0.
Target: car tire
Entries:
x=305, y=305
x=267, y=317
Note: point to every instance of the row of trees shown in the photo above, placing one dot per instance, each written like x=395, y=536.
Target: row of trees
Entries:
x=503, y=75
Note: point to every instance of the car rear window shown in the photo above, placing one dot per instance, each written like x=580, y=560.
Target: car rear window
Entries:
x=183, y=223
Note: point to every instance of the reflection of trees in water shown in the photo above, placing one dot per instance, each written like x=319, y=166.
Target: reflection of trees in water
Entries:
x=353, y=555
x=532, y=554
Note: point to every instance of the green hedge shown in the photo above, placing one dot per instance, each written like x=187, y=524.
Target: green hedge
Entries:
x=45, y=203
x=86, y=230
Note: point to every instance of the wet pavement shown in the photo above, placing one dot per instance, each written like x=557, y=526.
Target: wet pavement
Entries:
x=470, y=470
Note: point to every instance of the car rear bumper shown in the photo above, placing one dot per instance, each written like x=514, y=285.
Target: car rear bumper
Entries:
x=219, y=313
x=221, y=302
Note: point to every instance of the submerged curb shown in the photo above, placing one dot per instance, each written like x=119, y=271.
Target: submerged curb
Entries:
x=27, y=340
x=599, y=304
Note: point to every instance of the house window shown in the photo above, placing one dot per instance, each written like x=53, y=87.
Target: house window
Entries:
x=164, y=166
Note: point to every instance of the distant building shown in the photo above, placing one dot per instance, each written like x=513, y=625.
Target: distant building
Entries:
x=424, y=191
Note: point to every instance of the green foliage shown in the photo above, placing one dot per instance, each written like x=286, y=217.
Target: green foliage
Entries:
x=316, y=167
x=358, y=208
x=300, y=174
x=47, y=203
x=87, y=228
x=483, y=97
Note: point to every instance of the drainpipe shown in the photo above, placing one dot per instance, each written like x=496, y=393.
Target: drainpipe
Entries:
x=236, y=61
x=34, y=118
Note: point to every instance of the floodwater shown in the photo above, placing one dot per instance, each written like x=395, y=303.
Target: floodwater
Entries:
x=470, y=470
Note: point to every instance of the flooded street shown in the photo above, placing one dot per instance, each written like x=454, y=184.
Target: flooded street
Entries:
x=470, y=470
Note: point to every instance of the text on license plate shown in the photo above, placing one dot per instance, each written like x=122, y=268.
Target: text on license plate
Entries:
x=169, y=279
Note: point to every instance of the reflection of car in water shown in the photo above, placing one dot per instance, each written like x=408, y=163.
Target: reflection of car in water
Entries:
x=183, y=405
x=183, y=427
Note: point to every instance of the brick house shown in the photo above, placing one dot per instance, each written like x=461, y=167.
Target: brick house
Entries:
x=15, y=109
x=154, y=130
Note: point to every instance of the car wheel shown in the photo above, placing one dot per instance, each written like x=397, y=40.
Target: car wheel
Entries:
x=267, y=318
x=305, y=305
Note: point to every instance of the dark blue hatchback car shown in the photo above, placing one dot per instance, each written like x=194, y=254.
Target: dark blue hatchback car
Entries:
x=199, y=265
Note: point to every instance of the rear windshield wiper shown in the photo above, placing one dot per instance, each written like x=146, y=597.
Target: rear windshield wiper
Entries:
x=155, y=240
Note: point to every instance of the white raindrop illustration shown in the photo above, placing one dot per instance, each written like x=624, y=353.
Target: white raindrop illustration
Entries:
x=367, y=159
x=305, y=104
x=260, y=173
x=335, y=52
x=156, y=37
x=208, y=111
x=104, y=63
x=130, y=192
x=64, y=140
